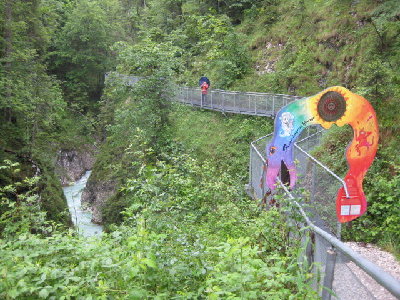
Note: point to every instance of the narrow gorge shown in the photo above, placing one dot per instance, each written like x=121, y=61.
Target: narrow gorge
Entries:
x=74, y=167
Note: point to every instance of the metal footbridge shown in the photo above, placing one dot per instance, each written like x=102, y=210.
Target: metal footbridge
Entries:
x=340, y=272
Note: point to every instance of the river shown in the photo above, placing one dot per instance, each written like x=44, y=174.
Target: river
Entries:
x=80, y=217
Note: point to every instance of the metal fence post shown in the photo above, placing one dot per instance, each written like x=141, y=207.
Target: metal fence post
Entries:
x=313, y=182
x=339, y=231
x=329, y=273
x=273, y=104
x=309, y=251
x=250, y=166
x=266, y=104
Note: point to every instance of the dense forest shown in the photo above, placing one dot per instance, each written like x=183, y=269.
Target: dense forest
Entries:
x=178, y=222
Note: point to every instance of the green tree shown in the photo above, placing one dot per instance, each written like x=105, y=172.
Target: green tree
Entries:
x=82, y=50
x=20, y=210
x=137, y=126
x=149, y=99
x=31, y=101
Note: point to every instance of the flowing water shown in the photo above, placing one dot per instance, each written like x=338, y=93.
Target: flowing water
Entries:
x=81, y=217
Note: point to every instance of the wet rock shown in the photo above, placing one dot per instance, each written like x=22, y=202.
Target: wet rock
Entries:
x=72, y=164
x=95, y=195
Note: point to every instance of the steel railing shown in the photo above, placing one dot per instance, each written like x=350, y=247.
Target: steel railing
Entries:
x=260, y=104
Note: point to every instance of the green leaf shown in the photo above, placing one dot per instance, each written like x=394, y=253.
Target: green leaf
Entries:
x=149, y=262
x=44, y=293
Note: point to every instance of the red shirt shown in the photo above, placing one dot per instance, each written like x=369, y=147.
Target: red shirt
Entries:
x=204, y=88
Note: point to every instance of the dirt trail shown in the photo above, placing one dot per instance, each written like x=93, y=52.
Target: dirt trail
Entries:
x=382, y=259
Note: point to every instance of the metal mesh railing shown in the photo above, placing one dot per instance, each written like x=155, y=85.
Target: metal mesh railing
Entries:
x=249, y=103
x=316, y=184
x=260, y=104
x=319, y=183
x=348, y=282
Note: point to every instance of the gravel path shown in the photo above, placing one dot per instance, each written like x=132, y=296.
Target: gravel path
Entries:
x=381, y=258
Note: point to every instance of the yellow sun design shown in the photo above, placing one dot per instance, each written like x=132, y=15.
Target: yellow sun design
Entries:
x=345, y=119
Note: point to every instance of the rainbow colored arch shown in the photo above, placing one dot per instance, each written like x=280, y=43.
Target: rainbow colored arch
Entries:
x=335, y=105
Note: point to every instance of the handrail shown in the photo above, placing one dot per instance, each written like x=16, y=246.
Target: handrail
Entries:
x=383, y=278
x=263, y=137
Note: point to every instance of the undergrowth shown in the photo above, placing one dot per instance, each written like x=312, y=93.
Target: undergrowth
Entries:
x=187, y=233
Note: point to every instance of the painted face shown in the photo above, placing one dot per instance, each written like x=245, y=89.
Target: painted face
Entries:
x=280, y=150
x=286, y=124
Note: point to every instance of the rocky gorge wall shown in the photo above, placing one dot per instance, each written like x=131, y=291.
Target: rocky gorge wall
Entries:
x=95, y=195
x=72, y=164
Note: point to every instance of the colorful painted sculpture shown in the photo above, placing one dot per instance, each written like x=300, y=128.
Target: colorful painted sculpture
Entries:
x=335, y=105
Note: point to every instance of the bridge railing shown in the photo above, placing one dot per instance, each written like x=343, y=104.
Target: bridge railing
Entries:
x=260, y=104
x=249, y=103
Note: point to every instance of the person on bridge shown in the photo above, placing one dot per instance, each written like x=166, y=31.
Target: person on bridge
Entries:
x=204, y=84
x=204, y=88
